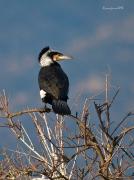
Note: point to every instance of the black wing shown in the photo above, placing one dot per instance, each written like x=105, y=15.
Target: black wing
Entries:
x=54, y=81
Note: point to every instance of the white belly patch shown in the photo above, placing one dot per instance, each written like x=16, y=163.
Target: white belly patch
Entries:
x=42, y=94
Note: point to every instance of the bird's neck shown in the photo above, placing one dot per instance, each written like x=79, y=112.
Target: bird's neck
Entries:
x=47, y=61
x=49, y=64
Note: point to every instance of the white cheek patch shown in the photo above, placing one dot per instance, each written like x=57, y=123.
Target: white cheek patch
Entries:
x=45, y=61
x=42, y=94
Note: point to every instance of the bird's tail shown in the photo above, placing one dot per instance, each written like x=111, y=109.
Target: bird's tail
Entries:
x=60, y=107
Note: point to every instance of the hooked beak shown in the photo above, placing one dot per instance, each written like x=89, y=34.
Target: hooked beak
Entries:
x=64, y=57
x=60, y=57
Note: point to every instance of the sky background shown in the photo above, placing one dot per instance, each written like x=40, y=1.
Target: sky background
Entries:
x=100, y=39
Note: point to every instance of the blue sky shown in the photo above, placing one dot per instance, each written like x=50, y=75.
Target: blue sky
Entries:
x=100, y=39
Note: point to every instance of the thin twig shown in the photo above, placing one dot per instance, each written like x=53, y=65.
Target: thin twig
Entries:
x=123, y=120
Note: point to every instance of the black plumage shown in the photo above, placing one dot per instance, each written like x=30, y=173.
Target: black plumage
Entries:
x=43, y=51
x=54, y=83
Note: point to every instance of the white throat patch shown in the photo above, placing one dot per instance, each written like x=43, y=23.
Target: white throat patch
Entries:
x=45, y=60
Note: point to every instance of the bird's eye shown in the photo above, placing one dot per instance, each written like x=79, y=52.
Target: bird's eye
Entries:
x=56, y=57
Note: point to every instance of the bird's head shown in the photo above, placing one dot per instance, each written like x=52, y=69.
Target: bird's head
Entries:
x=48, y=56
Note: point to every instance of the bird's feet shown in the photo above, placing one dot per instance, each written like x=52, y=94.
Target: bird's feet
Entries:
x=47, y=109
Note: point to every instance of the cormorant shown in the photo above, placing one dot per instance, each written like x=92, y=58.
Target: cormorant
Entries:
x=53, y=82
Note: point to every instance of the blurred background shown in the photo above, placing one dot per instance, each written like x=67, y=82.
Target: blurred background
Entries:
x=98, y=34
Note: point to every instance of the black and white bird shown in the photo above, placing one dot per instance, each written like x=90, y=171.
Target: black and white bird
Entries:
x=53, y=82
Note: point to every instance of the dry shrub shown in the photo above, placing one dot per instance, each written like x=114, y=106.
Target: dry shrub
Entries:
x=72, y=147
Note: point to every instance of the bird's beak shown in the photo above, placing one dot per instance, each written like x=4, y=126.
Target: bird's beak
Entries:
x=60, y=57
